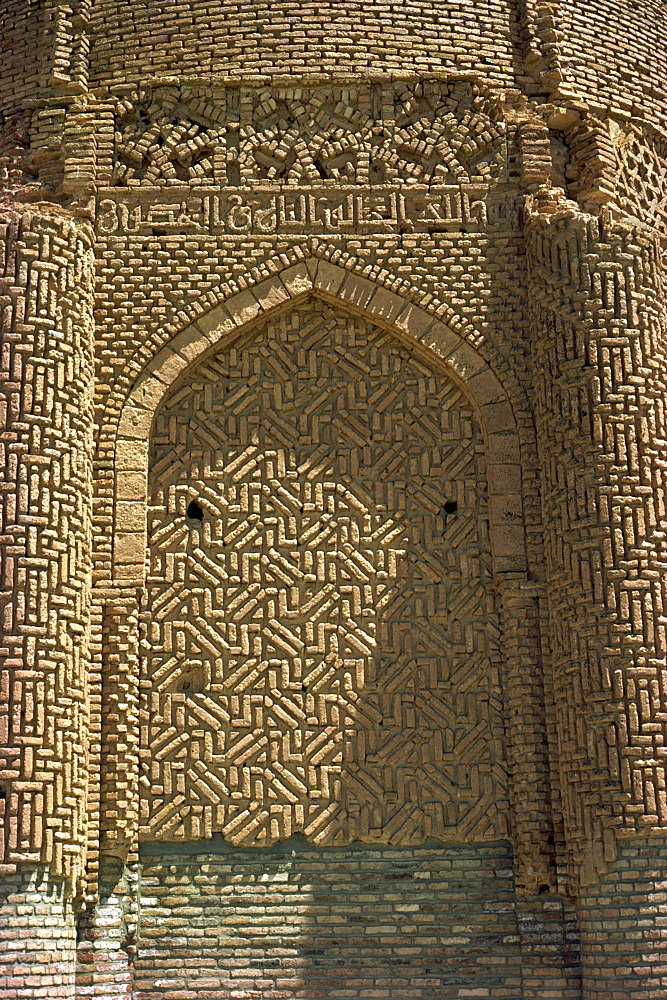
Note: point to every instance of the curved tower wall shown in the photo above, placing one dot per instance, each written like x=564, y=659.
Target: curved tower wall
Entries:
x=46, y=517
x=615, y=55
x=497, y=168
x=246, y=40
x=20, y=24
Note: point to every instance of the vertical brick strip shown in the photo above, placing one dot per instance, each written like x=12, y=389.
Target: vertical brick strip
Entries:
x=46, y=392
x=598, y=305
x=528, y=748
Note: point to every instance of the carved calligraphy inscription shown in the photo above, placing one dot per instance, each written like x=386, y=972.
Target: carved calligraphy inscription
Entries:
x=241, y=212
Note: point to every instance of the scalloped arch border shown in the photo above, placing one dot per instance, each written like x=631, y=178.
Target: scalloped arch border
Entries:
x=357, y=294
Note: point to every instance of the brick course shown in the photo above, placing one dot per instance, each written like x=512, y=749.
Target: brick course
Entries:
x=432, y=922
x=480, y=186
x=37, y=937
x=622, y=921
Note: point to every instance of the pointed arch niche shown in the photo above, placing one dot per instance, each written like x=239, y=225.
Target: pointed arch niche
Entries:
x=357, y=295
x=526, y=751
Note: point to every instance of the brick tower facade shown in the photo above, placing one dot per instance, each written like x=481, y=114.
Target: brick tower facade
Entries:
x=334, y=417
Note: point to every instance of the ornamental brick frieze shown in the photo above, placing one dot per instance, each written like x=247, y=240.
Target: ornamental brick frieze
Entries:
x=420, y=157
x=429, y=132
x=642, y=173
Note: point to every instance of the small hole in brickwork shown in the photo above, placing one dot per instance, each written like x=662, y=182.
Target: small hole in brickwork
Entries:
x=543, y=890
x=193, y=679
x=195, y=511
x=451, y=507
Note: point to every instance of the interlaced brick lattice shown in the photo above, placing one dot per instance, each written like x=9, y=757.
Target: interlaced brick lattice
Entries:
x=642, y=175
x=430, y=132
x=321, y=640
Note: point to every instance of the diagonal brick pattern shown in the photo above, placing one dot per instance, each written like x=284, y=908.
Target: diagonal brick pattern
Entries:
x=321, y=641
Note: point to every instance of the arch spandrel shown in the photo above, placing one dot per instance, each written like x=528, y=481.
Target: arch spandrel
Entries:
x=358, y=295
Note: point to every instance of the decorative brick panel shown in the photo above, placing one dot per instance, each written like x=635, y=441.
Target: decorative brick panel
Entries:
x=321, y=636
x=454, y=214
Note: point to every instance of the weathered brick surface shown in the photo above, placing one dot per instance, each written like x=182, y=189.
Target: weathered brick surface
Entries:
x=19, y=26
x=107, y=934
x=249, y=39
x=37, y=937
x=431, y=922
x=622, y=920
x=616, y=54
x=452, y=217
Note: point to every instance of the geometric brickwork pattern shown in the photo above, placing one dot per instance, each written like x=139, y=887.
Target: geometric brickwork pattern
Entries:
x=429, y=132
x=46, y=400
x=321, y=643
x=614, y=537
x=642, y=175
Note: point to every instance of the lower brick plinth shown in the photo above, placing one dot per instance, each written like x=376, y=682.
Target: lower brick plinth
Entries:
x=294, y=921
x=623, y=921
x=37, y=937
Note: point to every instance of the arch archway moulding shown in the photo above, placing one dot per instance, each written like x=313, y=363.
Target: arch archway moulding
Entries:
x=363, y=297
x=524, y=705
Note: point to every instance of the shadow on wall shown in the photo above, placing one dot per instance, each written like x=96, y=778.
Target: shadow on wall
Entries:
x=321, y=648
x=297, y=921
x=623, y=921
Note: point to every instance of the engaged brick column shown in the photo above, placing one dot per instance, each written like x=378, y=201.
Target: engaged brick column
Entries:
x=600, y=370
x=46, y=390
x=108, y=939
x=107, y=948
